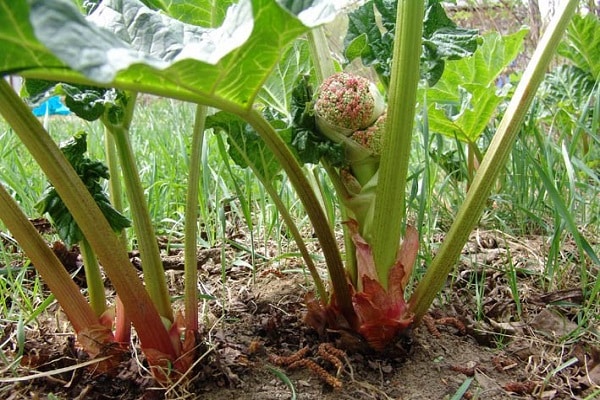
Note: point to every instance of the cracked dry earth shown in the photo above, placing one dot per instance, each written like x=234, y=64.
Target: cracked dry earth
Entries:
x=256, y=345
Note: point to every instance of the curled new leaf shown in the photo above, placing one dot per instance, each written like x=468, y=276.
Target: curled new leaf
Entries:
x=91, y=172
x=309, y=145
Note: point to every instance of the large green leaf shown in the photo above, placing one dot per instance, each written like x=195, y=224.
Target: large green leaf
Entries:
x=125, y=44
x=442, y=39
x=463, y=101
x=582, y=44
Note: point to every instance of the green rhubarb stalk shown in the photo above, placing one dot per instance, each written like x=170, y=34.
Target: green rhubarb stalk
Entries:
x=112, y=159
x=85, y=211
x=93, y=278
x=115, y=189
x=390, y=193
x=191, y=222
x=154, y=275
x=122, y=321
x=54, y=274
x=492, y=164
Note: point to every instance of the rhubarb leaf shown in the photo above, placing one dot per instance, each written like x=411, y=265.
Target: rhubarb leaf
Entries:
x=276, y=93
x=442, y=39
x=207, y=13
x=582, y=44
x=20, y=48
x=91, y=173
x=122, y=33
x=465, y=98
x=130, y=46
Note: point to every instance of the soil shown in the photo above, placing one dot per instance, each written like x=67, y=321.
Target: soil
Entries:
x=473, y=346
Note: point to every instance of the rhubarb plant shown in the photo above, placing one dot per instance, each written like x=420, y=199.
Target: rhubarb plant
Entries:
x=225, y=64
x=91, y=172
x=230, y=63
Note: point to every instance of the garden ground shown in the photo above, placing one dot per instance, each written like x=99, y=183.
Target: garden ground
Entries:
x=480, y=341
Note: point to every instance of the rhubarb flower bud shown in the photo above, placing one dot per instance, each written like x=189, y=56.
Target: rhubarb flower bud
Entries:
x=371, y=137
x=347, y=103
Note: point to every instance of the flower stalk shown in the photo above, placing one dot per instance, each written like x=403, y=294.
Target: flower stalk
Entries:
x=389, y=209
x=77, y=309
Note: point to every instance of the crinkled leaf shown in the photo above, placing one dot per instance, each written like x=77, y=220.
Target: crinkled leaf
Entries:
x=582, y=44
x=85, y=102
x=36, y=91
x=90, y=103
x=91, y=172
x=136, y=48
x=465, y=98
x=310, y=146
x=246, y=147
x=365, y=40
x=442, y=39
x=122, y=33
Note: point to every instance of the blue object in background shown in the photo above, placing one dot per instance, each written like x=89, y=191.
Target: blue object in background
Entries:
x=52, y=106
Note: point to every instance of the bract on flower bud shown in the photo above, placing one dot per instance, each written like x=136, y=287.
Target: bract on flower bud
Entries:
x=347, y=103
